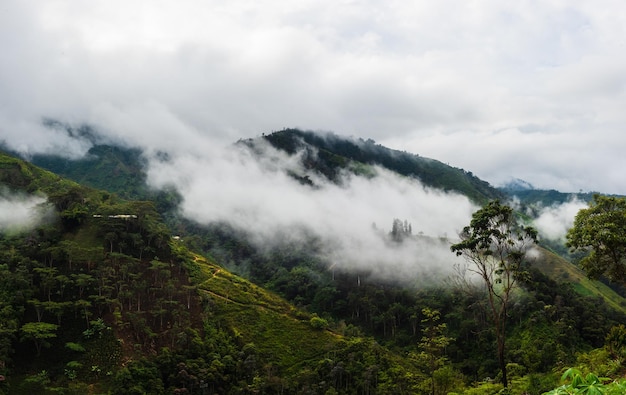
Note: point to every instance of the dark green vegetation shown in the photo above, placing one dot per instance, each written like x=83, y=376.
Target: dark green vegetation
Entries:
x=107, y=167
x=577, y=383
x=102, y=299
x=600, y=230
x=534, y=197
x=330, y=154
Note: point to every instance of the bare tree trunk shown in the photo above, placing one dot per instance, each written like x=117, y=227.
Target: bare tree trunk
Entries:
x=502, y=360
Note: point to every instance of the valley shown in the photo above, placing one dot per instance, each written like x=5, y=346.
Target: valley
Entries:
x=318, y=265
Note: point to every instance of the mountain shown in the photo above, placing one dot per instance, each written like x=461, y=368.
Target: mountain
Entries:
x=122, y=170
x=516, y=185
x=100, y=298
x=106, y=167
x=106, y=294
x=329, y=153
x=545, y=197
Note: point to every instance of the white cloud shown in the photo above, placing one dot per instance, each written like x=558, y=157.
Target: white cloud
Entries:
x=535, y=89
x=552, y=159
x=20, y=212
x=553, y=222
x=259, y=197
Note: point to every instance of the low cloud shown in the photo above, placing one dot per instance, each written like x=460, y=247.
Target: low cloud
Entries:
x=553, y=222
x=256, y=194
x=519, y=86
x=18, y=212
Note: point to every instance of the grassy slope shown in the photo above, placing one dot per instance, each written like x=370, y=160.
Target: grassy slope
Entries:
x=282, y=334
x=279, y=331
x=29, y=178
x=562, y=270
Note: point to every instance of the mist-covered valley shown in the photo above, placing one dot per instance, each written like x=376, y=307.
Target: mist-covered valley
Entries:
x=355, y=237
x=319, y=197
x=287, y=195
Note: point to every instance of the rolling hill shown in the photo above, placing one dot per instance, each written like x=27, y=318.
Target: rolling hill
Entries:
x=110, y=302
x=122, y=171
x=125, y=296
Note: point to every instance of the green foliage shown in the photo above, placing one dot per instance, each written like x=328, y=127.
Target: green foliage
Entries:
x=318, y=323
x=600, y=230
x=39, y=332
x=431, y=356
x=488, y=388
x=37, y=383
x=75, y=347
x=140, y=377
x=537, y=346
x=615, y=342
x=599, y=361
x=96, y=328
x=590, y=384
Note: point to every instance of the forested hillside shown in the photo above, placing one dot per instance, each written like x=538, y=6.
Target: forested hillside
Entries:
x=103, y=294
x=99, y=298
x=329, y=153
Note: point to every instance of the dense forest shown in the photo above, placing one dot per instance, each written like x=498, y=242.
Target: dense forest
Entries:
x=110, y=291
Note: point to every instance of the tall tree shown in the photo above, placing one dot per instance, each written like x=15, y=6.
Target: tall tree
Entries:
x=600, y=230
x=39, y=332
x=433, y=344
x=495, y=247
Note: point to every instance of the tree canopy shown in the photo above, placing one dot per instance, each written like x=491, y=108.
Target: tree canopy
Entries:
x=600, y=231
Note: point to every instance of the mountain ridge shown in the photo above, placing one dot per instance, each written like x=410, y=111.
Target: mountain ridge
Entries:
x=139, y=293
x=356, y=331
x=430, y=172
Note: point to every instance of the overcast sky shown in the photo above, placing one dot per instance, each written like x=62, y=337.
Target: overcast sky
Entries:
x=527, y=89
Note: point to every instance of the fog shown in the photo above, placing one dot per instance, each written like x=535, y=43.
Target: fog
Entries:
x=499, y=89
x=254, y=190
x=256, y=194
x=20, y=212
x=554, y=221
x=534, y=90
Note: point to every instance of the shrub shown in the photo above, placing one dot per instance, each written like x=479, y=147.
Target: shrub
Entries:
x=318, y=323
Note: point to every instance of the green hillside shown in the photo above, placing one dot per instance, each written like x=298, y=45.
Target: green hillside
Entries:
x=335, y=153
x=21, y=175
x=101, y=298
x=564, y=271
x=104, y=300
x=292, y=344
x=104, y=167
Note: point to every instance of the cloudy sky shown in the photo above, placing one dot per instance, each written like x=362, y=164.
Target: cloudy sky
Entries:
x=527, y=89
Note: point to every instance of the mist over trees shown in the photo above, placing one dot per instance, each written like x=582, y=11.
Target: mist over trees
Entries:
x=158, y=296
